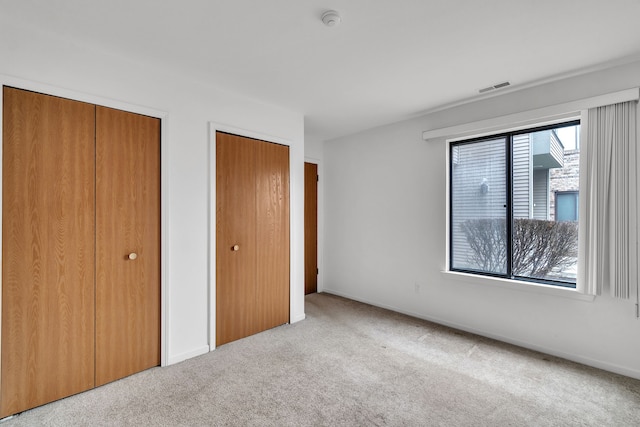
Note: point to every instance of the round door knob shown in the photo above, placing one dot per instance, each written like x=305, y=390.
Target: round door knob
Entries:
x=235, y=248
x=132, y=256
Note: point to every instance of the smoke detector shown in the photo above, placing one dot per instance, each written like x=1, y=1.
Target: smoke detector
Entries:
x=331, y=18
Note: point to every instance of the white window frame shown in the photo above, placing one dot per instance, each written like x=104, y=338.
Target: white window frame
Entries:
x=575, y=110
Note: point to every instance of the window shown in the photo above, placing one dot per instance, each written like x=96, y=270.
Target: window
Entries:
x=513, y=205
x=566, y=205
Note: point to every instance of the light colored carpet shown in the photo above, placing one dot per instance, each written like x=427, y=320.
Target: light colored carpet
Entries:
x=350, y=364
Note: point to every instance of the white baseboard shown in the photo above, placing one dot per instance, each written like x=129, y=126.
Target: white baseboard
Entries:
x=600, y=364
x=188, y=355
x=297, y=318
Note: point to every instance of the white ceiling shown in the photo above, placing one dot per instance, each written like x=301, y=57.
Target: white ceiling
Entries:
x=387, y=61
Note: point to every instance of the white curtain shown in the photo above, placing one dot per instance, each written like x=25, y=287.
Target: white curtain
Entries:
x=608, y=201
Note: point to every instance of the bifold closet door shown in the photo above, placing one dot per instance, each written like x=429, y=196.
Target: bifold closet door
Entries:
x=235, y=237
x=252, y=236
x=47, y=249
x=80, y=247
x=272, y=235
x=127, y=243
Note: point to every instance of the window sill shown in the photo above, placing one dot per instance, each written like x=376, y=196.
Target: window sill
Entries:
x=517, y=285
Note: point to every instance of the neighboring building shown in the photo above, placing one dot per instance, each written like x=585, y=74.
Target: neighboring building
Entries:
x=563, y=188
x=535, y=155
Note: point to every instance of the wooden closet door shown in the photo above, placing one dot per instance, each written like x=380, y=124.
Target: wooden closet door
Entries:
x=235, y=237
x=127, y=243
x=252, y=236
x=272, y=235
x=47, y=249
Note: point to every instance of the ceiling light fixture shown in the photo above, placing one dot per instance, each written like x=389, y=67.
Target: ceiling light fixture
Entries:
x=331, y=18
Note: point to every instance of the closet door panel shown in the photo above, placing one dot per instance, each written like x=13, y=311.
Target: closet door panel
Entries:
x=235, y=237
x=127, y=244
x=272, y=235
x=47, y=249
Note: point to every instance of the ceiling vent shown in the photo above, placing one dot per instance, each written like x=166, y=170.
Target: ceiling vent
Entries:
x=494, y=87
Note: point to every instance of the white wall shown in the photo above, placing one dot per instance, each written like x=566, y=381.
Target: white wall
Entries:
x=57, y=64
x=313, y=148
x=385, y=230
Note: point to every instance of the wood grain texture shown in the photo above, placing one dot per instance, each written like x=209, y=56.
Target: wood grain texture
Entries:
x=47, y=249
x=272, y=235
x=235, y=225
x=127, y=221
x=310, y=228
x=252, y=211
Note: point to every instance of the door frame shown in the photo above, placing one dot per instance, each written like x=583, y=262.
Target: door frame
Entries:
x=211, y=273
x=164, y=180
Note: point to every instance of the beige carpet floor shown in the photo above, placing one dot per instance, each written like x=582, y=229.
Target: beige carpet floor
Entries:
x=350, y=364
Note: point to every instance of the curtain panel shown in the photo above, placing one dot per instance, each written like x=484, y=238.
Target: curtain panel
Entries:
x=608, y=201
